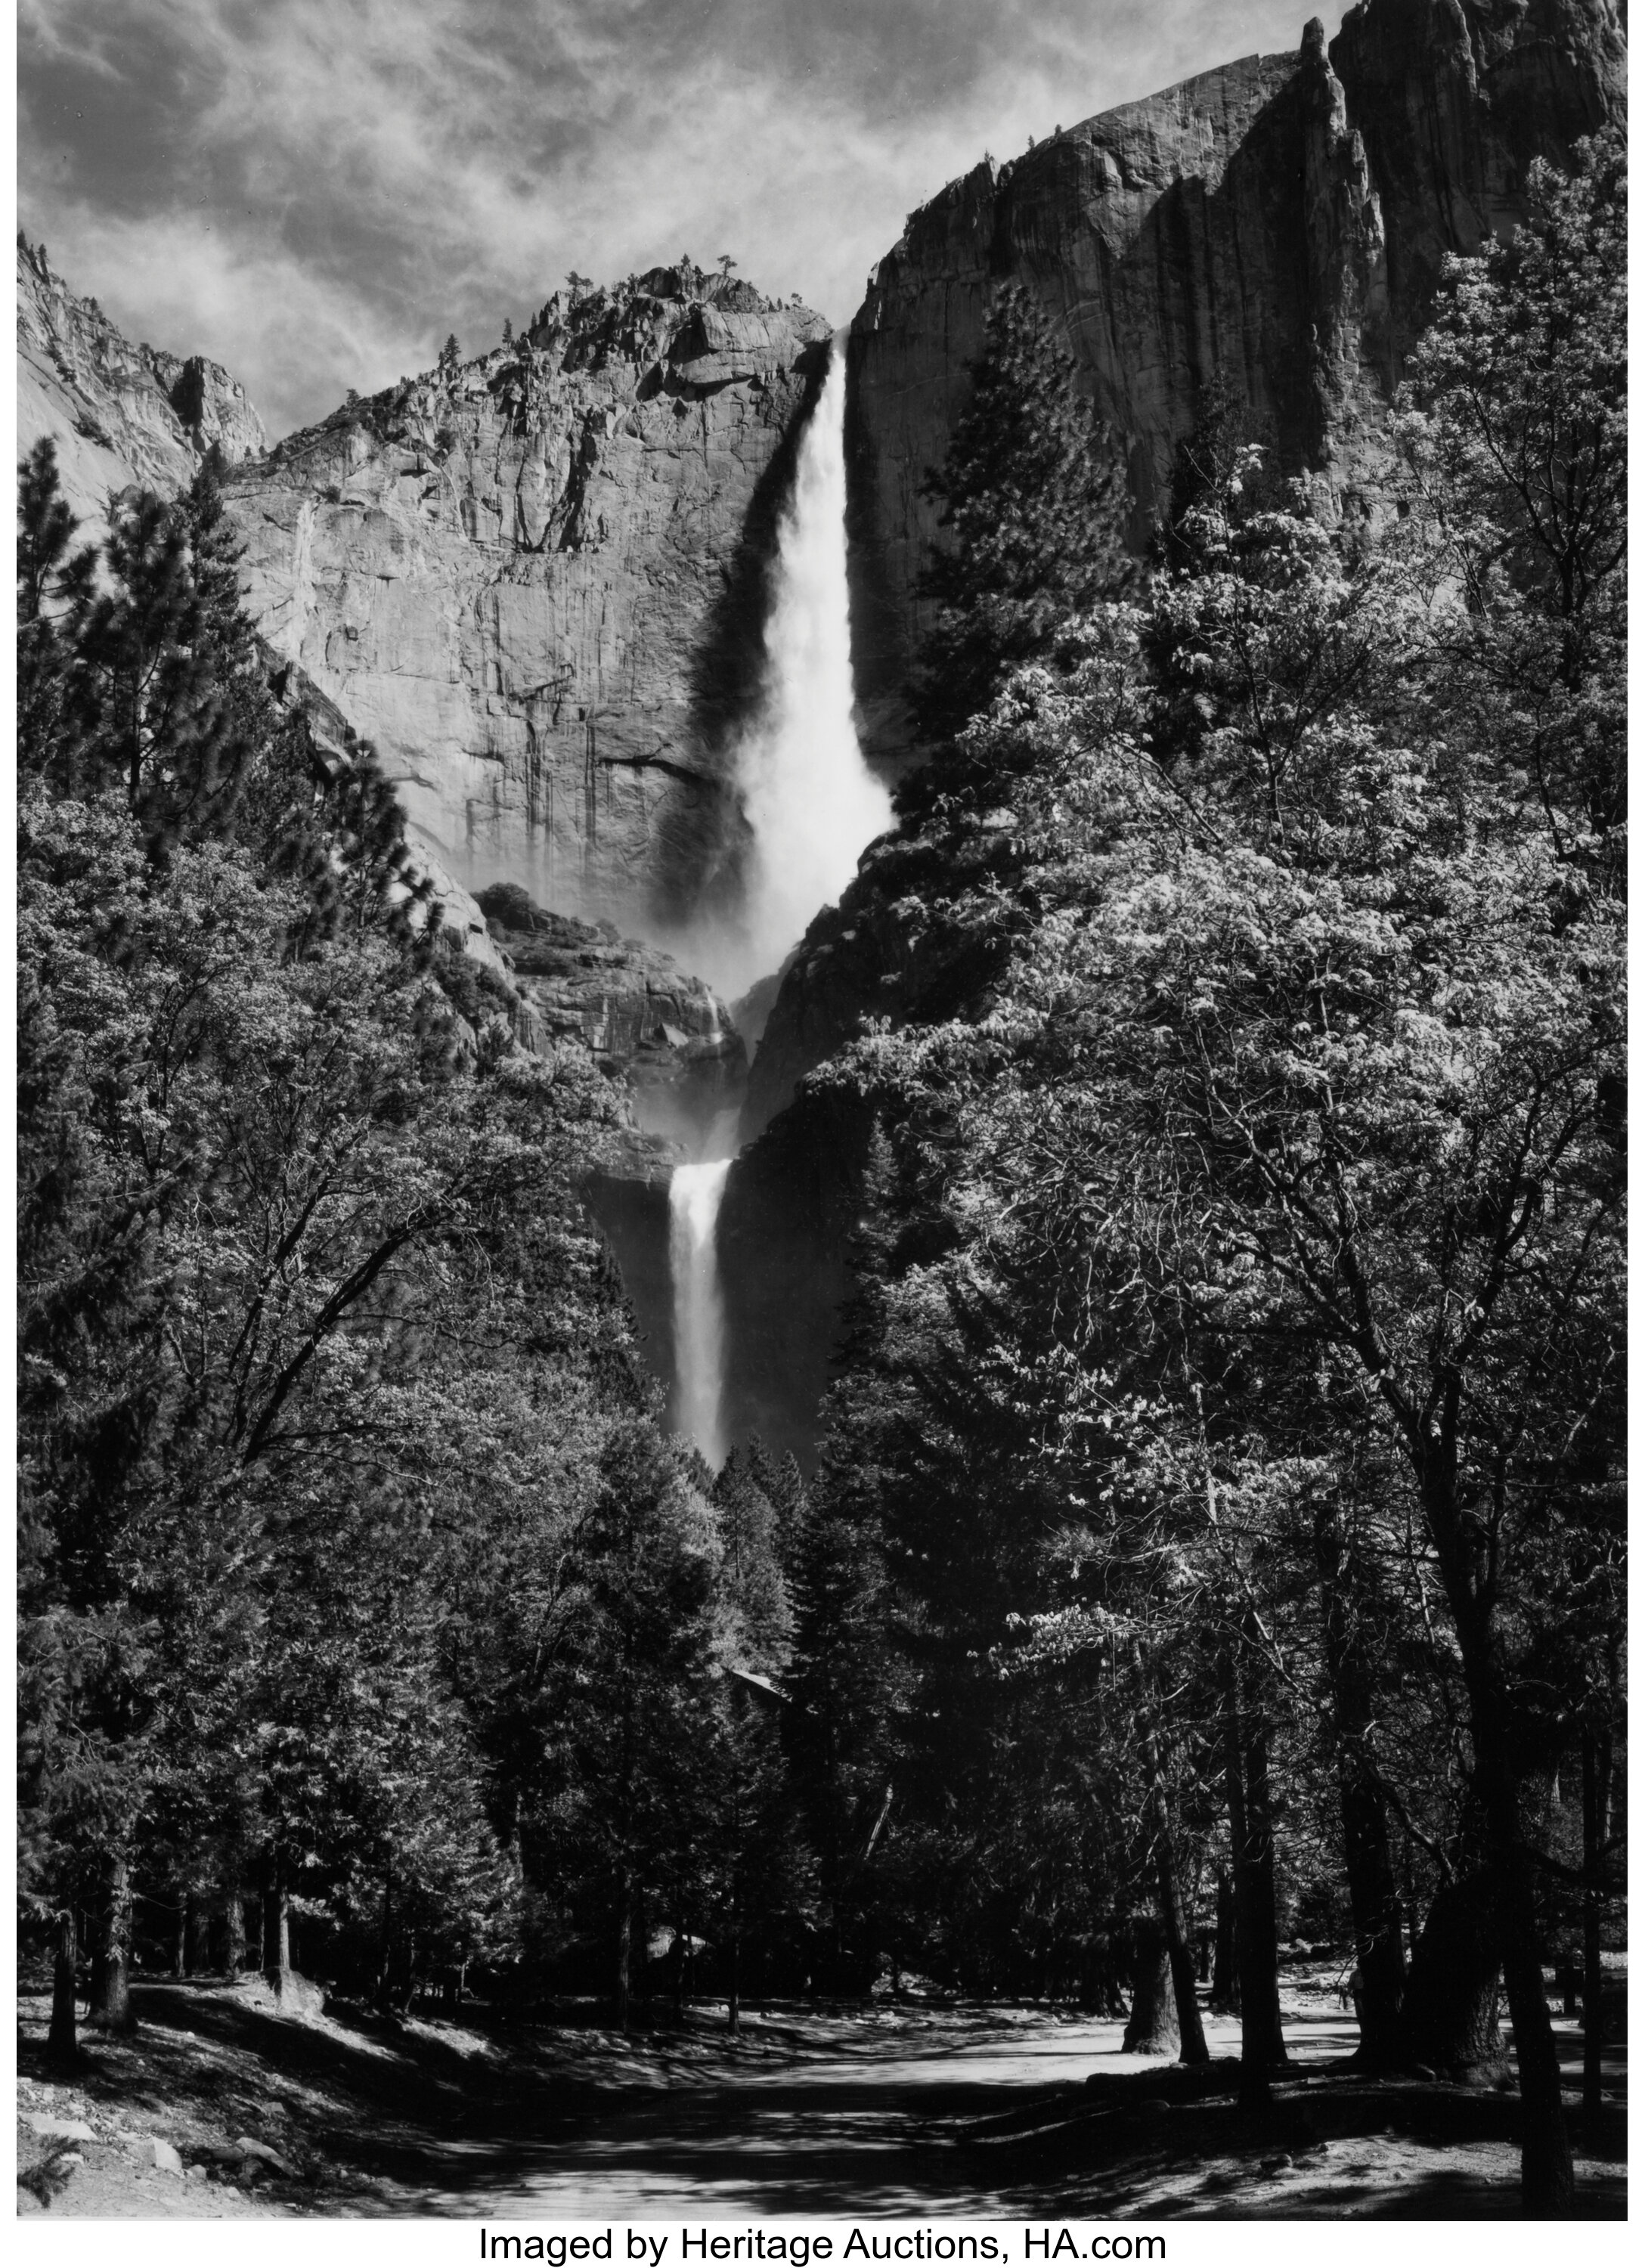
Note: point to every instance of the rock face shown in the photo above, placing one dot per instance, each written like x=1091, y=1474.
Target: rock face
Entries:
x=641, y=1015
x=1281, y=221
x=119, y=413
x=534, y=580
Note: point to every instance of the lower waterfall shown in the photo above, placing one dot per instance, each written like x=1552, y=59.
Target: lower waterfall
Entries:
x=699, y=1307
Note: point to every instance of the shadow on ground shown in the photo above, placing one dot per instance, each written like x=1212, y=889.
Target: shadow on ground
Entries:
x=1007, y=2113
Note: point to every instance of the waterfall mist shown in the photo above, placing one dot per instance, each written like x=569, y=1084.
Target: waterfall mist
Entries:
x=699, y=1307
x=811, y=803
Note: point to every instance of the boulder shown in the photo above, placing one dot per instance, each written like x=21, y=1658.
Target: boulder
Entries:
x=249, y=2148
x=57, y=2130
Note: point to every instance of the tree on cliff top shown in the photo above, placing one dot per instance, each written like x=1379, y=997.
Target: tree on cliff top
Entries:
x=1032, y=510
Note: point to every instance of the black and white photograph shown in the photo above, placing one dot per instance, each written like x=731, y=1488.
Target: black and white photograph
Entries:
x=820, y=915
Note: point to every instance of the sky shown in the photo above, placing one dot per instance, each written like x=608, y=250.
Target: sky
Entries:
x=316, y=191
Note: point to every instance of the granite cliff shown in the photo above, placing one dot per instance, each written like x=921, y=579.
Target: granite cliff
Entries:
x=533, y=580
x=1280, y=221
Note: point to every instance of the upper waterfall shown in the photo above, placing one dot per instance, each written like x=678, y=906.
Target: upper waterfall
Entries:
x=811, y=803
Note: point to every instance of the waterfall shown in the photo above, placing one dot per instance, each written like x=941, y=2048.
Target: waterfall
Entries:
x=699, y=1308
x=813, y=806
x=811, y=803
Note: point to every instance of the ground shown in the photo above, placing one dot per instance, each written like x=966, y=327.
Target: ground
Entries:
x=1005, y=2112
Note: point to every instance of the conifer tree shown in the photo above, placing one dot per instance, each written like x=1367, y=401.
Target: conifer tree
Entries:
x=53, y=591
x=1031, y=508
x=151, y=705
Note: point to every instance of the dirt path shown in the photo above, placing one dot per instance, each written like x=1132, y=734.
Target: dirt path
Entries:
x=944, y=2116
x=864, y=2129
x=1001, y=2113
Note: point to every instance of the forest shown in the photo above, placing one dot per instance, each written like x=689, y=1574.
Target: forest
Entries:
x=1217, y=1532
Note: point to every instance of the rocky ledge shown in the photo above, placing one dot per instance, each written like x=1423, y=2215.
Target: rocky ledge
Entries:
x=644, y=1019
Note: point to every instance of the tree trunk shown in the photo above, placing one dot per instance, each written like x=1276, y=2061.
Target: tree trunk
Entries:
x=1451, y=2014
x=111, y=1957
x=234, y=1927
x=1225, y=1963
x=1547, y=2177
x=624, y=1948
x=62, y=2047
x=1251, y=1836
x=1548, y=2187
x=1100, y=1989
x=1190, y=2030
x=197, y=1950
x=1152, y=2029
x=734, y=1987
x=386, y=1945
x=1595, y=1830
x=677, y=1961
x=276, y=1921
x=1379, y=1953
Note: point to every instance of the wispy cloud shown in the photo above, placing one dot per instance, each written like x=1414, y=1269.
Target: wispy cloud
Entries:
x=316, y=191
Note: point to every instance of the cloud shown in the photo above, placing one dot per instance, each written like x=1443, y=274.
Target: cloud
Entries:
x=316, y=191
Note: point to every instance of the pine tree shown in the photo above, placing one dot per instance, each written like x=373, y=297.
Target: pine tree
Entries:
x=53, y=589
x=151, y=707
x=1032, y=508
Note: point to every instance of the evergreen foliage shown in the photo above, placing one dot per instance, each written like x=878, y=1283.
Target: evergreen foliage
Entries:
x=1031, y=502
